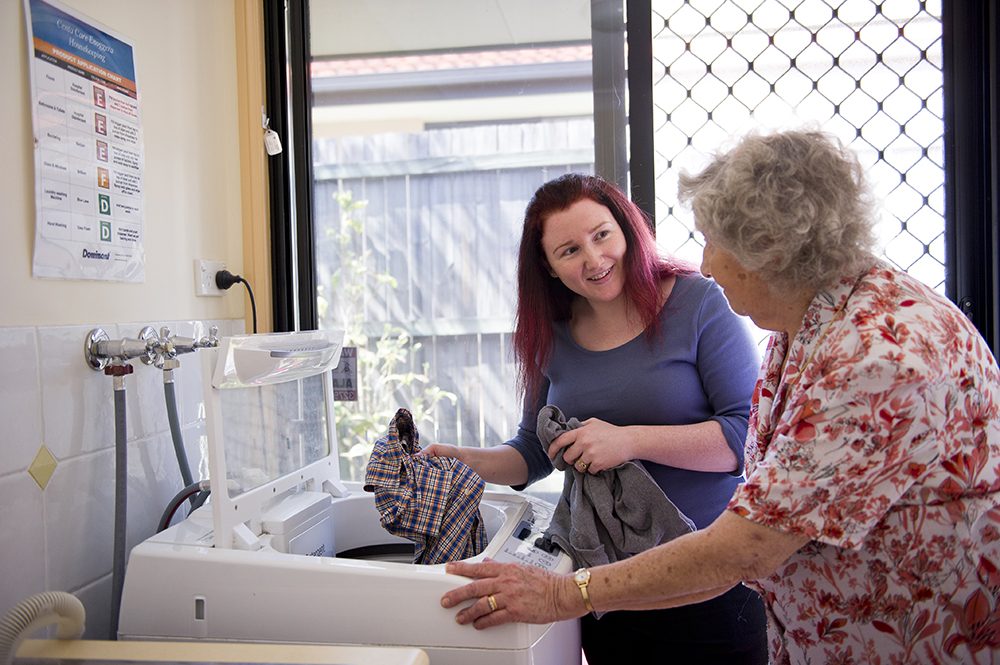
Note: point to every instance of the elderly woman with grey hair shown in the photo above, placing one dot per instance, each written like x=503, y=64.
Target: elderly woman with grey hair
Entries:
x=870, y=519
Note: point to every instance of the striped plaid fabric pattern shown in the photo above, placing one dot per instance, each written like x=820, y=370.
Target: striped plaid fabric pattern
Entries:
x=432, y=501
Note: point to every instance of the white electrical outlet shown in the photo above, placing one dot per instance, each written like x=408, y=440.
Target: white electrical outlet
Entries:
x=204, y=277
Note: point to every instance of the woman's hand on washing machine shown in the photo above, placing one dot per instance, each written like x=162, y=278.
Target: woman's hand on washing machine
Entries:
x=521, y=593
x=593, y=446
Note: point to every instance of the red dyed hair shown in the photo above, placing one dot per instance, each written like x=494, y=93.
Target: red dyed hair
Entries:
x=542, y=300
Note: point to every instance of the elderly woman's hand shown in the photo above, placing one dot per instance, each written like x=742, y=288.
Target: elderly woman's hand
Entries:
x=520, y=593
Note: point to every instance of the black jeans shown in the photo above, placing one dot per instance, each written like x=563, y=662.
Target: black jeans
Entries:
x=728, y=630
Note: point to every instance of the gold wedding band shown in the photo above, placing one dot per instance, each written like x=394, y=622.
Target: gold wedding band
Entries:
x=492, y=601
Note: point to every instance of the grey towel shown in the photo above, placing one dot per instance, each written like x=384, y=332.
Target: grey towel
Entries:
x=610, y=515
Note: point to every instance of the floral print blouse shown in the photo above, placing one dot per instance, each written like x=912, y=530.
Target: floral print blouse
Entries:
x=879, y=440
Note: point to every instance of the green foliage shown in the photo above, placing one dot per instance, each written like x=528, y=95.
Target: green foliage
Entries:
x=386, y=380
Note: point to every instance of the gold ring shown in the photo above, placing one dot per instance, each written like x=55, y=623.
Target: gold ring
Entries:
x=492, y=601
x=582, y=465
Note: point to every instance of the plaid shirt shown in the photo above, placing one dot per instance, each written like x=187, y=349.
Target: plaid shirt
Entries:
x=432, y=501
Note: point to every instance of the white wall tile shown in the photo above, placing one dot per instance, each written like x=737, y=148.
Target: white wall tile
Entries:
x=22, y=548
x=77, y=402
x=80, y=515
x=20, y=399
x=153, y=479
x=96, y=599
x=239, y=327
x=187, y=377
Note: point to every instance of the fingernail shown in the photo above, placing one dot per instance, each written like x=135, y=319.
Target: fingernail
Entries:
x=445, y=602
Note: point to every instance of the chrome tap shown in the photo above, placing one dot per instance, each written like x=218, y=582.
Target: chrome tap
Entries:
x=176, y=345
x=99, y=350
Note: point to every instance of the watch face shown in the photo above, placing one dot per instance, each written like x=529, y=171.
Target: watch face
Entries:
x=582, y=576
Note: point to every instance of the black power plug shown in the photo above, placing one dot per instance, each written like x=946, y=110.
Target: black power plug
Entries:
x=225, y=279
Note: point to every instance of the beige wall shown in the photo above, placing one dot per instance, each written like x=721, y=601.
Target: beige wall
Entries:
x=186, y=69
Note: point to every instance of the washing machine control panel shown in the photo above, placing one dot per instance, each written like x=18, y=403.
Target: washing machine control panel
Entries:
x=526, y=544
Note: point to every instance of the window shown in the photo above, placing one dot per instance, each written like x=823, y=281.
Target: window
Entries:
x=440, y=119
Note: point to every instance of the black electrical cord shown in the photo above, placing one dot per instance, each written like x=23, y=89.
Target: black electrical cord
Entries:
x=225, y=279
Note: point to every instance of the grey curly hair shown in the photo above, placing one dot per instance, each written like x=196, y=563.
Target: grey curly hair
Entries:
x=793, y=206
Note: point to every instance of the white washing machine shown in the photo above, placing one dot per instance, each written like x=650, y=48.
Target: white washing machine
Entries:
x=289, y=553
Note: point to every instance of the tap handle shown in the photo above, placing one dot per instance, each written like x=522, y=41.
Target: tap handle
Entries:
x=211, y=341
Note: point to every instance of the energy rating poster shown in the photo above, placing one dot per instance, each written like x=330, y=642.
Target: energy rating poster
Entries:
x=89, y=216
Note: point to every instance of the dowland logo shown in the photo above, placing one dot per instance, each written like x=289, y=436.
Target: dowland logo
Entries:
x=103, y=256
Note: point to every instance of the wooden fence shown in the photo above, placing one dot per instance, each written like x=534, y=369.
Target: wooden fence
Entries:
x=443, y=219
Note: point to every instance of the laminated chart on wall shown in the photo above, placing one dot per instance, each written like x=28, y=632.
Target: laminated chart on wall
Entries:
x=89, y=212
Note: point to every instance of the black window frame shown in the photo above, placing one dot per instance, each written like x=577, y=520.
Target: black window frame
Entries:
x=288, y=97
x=972, y=178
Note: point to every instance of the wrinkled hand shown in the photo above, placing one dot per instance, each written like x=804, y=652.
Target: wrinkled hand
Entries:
x=522, y=593
x=597, y=444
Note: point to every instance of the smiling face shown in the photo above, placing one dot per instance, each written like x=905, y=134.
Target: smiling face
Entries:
x=584, y=247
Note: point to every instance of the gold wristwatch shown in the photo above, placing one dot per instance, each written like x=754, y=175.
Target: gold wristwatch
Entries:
x=582, y=579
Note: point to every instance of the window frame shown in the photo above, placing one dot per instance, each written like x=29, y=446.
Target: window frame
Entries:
x=972, y=177
x=288, y=97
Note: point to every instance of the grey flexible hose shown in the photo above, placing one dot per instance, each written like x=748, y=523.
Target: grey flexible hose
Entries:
x=37, y=611
x=200, y=500
x=170, y=395
x=121, y=503
x=189, y=491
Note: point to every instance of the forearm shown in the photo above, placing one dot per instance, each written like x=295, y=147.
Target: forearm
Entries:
x=679, y=601
x=668, y=576
x=695, y=567
x=689, y=569
x=698, y=447
x=501, y=465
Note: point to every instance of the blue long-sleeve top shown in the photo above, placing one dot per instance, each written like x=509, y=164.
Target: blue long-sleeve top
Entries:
x=703, y=366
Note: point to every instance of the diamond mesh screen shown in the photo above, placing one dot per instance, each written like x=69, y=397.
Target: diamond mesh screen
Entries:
x=868, y=72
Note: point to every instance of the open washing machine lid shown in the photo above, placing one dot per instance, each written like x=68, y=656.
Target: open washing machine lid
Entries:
x=270, y=425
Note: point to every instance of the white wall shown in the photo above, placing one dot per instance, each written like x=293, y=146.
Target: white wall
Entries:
x=60, y=538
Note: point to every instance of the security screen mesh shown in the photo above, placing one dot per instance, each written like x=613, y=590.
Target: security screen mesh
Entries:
x=867, y=72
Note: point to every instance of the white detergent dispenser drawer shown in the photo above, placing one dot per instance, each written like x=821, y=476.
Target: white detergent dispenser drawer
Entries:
x=301, y=523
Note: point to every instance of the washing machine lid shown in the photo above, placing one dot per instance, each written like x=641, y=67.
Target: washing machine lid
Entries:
x=270, y=426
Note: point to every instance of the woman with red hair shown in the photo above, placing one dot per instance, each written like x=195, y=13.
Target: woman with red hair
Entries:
x=647, y=355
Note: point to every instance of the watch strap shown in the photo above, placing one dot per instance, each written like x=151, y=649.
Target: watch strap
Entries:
x=583, y=587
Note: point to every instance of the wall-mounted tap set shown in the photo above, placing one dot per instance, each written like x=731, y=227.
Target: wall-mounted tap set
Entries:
x=161, y=350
